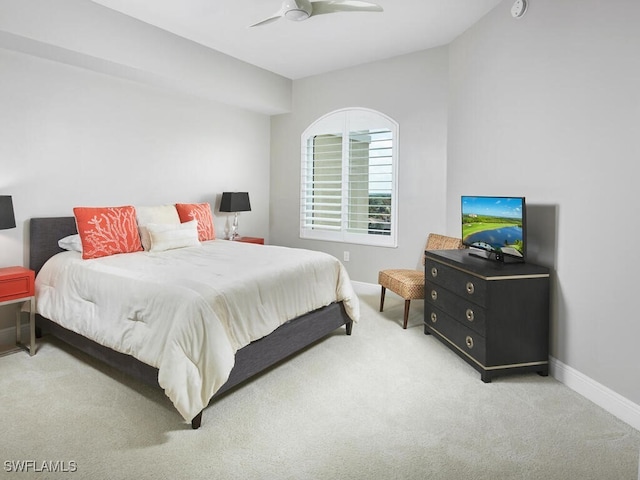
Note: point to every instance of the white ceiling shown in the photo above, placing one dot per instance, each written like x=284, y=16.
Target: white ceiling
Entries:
x=319, y=44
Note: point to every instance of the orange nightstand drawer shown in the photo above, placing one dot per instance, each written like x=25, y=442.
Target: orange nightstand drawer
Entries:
x=250, y=240
x=16, y=282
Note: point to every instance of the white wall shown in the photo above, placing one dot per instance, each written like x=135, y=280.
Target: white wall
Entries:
x=97, y=108
x=69, y=137
x=85, y=34
x=548, y=107
x=411, y=89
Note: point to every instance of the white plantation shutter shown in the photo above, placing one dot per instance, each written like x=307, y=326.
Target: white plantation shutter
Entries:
x=348, y=178
x=370, y=181
x=322, y=177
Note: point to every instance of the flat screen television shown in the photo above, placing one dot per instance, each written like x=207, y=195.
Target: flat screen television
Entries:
x=495, y=227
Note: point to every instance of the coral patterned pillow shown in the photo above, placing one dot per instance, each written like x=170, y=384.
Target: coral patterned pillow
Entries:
x=200, y=212
x=107, y=230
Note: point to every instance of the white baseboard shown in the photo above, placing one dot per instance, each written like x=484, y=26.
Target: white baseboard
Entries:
x=369, y=288
x=604, y=397
x=8, y=335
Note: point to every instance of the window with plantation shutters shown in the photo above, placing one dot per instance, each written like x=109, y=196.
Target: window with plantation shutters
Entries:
x=348, y=178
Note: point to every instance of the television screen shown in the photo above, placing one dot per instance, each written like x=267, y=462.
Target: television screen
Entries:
x=495, y=224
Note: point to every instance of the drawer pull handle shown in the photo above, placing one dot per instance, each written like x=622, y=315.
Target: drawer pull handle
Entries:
x=434, y=317
x=469, y=342
x=469, y=314
x=470, y=288
x=434, y=295
x=434, y=272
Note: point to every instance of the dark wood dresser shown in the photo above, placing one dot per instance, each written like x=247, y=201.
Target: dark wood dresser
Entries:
x=494, y=315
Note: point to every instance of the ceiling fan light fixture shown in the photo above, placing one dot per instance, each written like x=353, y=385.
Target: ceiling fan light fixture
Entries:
x=298, y=10
x=296, y=15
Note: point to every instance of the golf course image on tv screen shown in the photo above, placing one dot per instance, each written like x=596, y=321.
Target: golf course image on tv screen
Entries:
x=495, y=224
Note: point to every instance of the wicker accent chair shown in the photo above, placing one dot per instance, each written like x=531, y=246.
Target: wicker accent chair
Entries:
x=409, y=284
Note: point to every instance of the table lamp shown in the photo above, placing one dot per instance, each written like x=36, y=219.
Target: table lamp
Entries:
x=235, y=202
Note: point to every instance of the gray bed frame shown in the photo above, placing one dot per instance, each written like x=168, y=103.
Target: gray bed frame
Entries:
x=250, y=360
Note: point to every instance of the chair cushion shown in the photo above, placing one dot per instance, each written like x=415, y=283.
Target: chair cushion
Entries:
x=409, y=284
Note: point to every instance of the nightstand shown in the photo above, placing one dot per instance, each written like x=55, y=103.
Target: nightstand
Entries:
x=17, y=285
x=258, y=240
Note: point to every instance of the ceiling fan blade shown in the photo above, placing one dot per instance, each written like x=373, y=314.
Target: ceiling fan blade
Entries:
x=334, y=6
x=267, y=21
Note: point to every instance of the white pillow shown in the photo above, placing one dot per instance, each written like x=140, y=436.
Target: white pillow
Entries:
x=71, y=243
x=169, y=236
x=161, y=214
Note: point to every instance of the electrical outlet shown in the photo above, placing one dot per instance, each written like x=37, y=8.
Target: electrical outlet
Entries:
x=345, y=256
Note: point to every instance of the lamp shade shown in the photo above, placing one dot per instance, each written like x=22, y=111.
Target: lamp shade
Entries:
x=235, y=202
x=7, y=218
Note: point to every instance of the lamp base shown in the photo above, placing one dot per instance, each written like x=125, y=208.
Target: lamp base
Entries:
x=234, y=228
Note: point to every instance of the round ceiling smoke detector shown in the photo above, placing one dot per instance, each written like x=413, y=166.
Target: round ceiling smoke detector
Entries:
x=519, y=8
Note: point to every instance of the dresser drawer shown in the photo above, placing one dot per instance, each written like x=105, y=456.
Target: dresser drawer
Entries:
x=461, y=283
x=466, y=340
x=462, y=310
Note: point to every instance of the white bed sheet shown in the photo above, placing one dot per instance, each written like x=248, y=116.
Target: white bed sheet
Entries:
x=187, y=311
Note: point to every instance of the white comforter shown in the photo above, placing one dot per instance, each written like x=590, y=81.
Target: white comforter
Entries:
x=187, y=311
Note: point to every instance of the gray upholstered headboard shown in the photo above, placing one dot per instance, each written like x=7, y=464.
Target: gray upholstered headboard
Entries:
x=44, y=234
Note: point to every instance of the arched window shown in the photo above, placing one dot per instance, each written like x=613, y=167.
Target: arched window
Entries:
x=349, y=178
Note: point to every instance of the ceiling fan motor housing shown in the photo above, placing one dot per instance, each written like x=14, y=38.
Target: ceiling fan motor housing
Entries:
x=297, y=9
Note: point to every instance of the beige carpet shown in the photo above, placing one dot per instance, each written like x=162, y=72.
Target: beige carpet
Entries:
x=385, y=403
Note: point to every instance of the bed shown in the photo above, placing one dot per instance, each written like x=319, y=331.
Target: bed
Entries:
x=289, y=337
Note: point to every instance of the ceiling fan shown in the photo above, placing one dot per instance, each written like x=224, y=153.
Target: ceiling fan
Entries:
x=298, y=10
